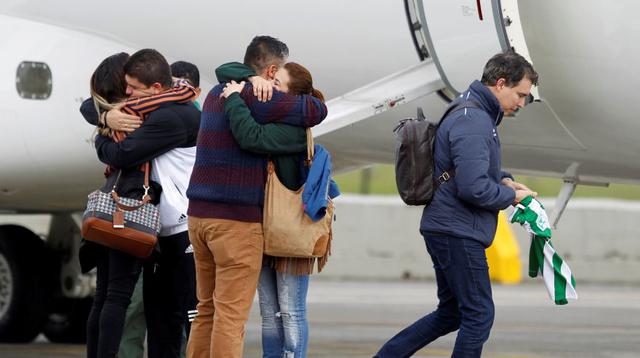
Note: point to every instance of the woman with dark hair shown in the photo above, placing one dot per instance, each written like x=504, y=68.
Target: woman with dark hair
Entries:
x=118, y=272
x=284, y=282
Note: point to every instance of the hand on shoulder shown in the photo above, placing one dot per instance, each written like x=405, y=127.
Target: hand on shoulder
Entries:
x=262, y=88
x=232, y=87
x=120, y=121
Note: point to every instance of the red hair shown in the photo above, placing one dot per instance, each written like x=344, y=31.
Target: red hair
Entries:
x=300, y=81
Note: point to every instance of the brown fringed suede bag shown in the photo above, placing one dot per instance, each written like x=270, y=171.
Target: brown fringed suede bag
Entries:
x=288, y=230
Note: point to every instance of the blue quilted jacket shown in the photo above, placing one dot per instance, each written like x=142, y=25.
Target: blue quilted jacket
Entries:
x=467, y=142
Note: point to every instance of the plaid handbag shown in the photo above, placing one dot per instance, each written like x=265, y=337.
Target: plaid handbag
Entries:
x=124, y=224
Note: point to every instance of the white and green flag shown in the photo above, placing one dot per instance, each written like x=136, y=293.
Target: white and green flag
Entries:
x=543, y=258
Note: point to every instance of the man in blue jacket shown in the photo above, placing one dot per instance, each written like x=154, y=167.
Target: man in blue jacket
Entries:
x=461, y=221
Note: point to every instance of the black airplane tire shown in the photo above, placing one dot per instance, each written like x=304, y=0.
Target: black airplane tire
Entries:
x=22, y=290
x=67, y=321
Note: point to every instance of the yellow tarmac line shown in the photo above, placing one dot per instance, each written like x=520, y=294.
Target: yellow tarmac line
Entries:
x=427, y=352
x=45, y=347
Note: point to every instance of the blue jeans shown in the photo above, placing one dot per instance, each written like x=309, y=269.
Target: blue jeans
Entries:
x=464, y=291
x=283, y=308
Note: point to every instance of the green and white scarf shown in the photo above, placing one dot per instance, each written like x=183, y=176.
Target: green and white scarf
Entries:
x=543, y=258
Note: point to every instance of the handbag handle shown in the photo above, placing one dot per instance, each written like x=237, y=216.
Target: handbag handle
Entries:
x=146, y=198
x=310, y=153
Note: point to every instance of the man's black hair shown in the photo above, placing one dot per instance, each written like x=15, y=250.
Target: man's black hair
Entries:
x=187, y=71
x=264, y=51
x=149, y=66
x=510, y=66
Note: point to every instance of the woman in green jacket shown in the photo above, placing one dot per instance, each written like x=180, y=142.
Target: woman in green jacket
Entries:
x=284, y=282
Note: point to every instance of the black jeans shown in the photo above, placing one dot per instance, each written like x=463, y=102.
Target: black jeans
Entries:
x=169, y=287
x=465, y=303
x=168, y=294
x=116, y=278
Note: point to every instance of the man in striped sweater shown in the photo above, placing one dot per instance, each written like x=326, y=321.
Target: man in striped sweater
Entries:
x=226, y=194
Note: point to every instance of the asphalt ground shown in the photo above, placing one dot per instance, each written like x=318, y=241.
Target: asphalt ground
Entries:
x=353, y=319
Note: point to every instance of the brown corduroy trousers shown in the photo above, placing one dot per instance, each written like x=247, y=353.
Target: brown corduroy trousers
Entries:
x=228, y=257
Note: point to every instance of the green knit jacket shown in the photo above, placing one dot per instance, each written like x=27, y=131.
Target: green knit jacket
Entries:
x=286, y=144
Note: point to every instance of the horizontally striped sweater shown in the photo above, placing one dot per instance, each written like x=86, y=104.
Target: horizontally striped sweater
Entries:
x=228, y=182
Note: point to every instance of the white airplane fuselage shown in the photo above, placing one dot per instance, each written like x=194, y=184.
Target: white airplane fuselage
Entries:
x=583, y=128
x=47, y=159
x=586, y=72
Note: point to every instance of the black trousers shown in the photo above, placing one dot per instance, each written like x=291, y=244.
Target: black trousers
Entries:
x=116, y=278
x=168, y=294
x=192, y=298
x=169, y=287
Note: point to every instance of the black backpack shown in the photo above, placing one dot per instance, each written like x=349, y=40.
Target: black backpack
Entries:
x=415, y=138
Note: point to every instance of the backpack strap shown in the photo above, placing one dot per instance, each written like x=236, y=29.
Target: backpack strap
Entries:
x=458, y=106
x=449, y=174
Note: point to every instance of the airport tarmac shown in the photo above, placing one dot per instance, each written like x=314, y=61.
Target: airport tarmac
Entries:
x=352, y=319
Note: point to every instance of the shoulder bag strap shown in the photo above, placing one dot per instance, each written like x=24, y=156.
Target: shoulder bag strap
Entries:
x=146, y=198
x=309, y=160
x=449, y=174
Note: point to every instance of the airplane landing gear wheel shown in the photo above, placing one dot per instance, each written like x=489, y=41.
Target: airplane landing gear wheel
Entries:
x=68, y=321
x=21, y=288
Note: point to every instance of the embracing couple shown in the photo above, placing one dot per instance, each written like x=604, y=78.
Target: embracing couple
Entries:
x=244, y=124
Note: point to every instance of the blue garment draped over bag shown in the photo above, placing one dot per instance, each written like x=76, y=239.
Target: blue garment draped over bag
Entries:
x=319, y=187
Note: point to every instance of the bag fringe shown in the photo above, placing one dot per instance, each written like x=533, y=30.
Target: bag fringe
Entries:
x=300, y=266
x=323, y=260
